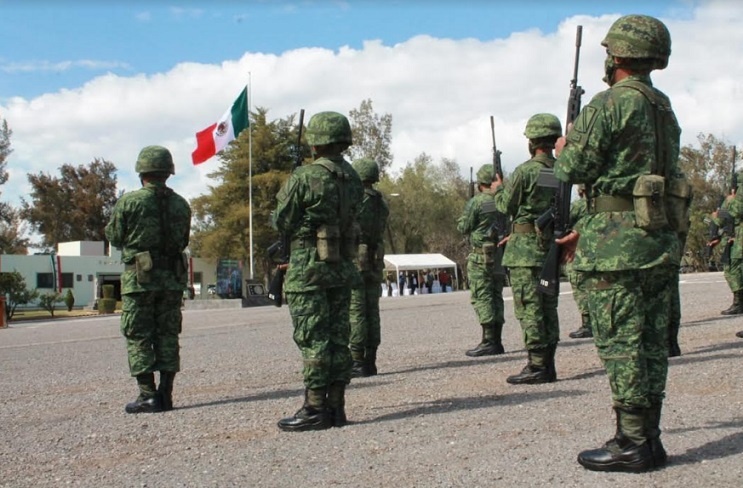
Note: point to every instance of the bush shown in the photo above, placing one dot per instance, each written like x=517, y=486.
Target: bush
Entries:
x=69, y=300
x=13, y=286
x=49, y=301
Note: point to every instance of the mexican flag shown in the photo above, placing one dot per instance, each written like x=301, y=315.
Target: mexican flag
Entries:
x=216, y=137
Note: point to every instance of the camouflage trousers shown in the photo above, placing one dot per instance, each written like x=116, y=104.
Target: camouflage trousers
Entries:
x=486, y=290
x=151, y=322
x=630, y=311
x=321, y=331
x=537, y=312
x=364, y=316
x=734, y=274
x=581, y=298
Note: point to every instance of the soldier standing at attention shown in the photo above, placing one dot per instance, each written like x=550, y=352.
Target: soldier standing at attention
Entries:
x=365, y=328
x=577, y=210
x=727, y=226
x=151, y=226
x=525, y=200
x=624, y=145
x=485, y=274
x=317, y=208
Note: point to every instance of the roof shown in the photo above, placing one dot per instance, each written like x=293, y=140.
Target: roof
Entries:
x=417, y=261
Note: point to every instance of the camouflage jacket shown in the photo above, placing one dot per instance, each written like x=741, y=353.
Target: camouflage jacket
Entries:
x=372, y=218
x=612, y=143
x=524, y=200
x=156, y=219
x=735, y=207
x=578, y=210
x=327, y=192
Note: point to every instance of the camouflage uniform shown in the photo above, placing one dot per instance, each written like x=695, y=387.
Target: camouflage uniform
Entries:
x=157, y=221
x=578, y=210
x=317, y=208
x=365, y=327
x=485, y=272
x=523, y=199
x=733, y=269
x=624, y=133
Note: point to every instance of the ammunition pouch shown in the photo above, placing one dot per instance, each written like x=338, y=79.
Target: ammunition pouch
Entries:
x=363, y=259
x=489, y=250
x=328, y=244
x=143, y=264
x=649, y=201
x=350, y=242
x=678, y=203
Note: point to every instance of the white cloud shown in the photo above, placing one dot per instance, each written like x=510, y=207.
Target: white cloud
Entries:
x=440, y=92
x=60, y=66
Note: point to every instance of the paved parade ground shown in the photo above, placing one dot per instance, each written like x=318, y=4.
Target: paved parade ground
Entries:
x=432, y=417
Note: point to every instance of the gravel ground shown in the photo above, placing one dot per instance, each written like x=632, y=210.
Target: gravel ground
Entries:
x=432, y=417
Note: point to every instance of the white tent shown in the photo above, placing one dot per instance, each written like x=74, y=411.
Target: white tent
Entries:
x=415, y=262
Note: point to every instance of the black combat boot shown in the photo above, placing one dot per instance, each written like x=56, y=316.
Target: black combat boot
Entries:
x=359, y=369
x=489, y=346
x=652, y=432
x=628, y=451
x=337, y=404
x=148, y=400
x=312, y=416
x=165, y=390
x=736, y=307
x=370, y=358
x=536, y=370
x=584, y=330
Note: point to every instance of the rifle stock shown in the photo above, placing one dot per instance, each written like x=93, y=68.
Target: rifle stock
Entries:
x=549, y=279
x=280, y=250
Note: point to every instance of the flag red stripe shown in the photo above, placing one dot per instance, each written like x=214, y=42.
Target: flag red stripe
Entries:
x=204, y=145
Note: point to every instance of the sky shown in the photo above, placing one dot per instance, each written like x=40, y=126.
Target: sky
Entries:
x=81, y=80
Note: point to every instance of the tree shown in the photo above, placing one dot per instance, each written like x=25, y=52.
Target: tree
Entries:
x=13, y=286
x=74, y=207
x=372, y=135
x=221, y=218
x=12, y=240
x=709, y=169
x=49, y=301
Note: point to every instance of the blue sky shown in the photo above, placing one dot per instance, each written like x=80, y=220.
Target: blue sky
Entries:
x=63, y=44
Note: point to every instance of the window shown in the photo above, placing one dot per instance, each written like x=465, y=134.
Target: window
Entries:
x=67, y=280
x=44, y=280
x=78, y=277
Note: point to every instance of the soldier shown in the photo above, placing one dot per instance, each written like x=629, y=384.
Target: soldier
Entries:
x=151, y=226
x=317, y=208
x=577, y=210
x=524, y=200
x=727, y=226
x=365, y=327
x=624, y=145
x=485, y=272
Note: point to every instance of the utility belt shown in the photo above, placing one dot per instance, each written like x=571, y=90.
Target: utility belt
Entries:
x=330, y=243
x=610, y=203
x=523, y=229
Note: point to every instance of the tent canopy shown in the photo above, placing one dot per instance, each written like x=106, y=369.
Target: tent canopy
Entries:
x=405, y=262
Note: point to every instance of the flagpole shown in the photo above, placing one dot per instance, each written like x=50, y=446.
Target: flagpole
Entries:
x=250, y=175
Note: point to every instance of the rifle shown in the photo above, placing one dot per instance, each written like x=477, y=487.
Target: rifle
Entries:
x=559, y=212
x=280, y=250
x=472, y=184
x=499, y=229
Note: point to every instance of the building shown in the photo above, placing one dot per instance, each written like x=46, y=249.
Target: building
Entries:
x=84, y=267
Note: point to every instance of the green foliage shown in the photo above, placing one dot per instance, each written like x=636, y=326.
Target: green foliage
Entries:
x=709, y=168
x=108, y=291
x=13, y=286
x=372, y=135
x=76, y=206
x=49, y=301
x=69, y=300
x=12, y=227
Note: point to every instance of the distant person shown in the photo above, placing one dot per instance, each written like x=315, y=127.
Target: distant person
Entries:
x=366, y=334
x=485, y=272
x=443, y=280
x=151, y=226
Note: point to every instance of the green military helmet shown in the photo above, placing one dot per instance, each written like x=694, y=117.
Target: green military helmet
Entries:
x=368, y=169
x=154, y=159
x=543, y=125
x=485, y=174
x=328, y=128
x=639, y=37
